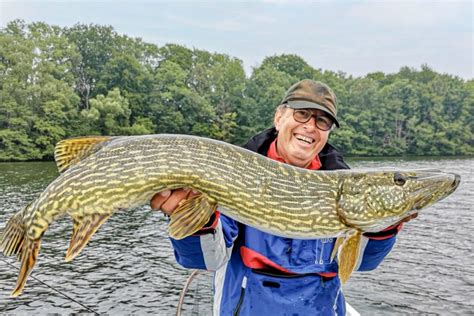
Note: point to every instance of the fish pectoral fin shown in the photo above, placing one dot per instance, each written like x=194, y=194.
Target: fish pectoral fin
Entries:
x=190, y=216
x=68, y=152
x=29, y=254
x=337, y=244
x=83, y=229
x=348, y=256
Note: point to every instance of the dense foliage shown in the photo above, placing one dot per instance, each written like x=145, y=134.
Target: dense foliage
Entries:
x=88, y=80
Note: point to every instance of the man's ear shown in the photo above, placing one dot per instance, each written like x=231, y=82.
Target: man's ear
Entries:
x=277, y=119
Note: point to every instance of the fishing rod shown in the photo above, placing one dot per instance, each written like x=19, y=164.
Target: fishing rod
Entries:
x=179, y=308
x=52, y=288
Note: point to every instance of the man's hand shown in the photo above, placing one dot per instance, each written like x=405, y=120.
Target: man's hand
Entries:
x=167, y=201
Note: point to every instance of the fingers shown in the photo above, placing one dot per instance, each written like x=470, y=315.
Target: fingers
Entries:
x=167, y=201
x=193, y=193
x=173, y=200
x=159, y=198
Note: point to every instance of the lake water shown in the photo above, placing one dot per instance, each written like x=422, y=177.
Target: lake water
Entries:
x=129, y=267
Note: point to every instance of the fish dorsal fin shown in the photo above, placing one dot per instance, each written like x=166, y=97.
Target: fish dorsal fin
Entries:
x=70, y=151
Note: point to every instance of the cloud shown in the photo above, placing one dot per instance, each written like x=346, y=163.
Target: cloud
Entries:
x=410, y=13
x=292, y=2
x=354, y=36
x=226, y=25
x=10, y=10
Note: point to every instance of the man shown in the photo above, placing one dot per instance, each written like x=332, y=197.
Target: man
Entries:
x=256, y=272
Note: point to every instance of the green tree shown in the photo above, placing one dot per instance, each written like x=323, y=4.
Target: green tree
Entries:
x=133, y=79
x=220, y=80
x=175, y=107
x=290, y=64
x=264, y=92
x=61, y=82
x=38, y=100
x=110, y=114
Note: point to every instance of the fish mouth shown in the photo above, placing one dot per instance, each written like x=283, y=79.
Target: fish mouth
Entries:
x=433, y=188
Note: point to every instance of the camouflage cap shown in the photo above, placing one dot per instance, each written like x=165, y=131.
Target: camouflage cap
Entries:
x=310, y=94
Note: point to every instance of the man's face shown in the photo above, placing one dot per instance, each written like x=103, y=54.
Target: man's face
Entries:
x=298, y=143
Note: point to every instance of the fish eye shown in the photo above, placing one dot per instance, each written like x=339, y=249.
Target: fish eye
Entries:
x=399, y=179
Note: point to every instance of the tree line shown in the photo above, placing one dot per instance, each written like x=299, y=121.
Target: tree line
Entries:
x=58, y=82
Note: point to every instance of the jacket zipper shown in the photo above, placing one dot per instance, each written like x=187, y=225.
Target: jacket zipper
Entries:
x=241, y=298
x=323, y=242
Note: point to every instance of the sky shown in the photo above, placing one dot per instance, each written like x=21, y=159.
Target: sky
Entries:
x=355, y=37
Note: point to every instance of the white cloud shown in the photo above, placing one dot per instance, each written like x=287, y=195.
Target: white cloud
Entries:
x=221, y=24
x=10, y=10
x=356, y=37
x=408, y=13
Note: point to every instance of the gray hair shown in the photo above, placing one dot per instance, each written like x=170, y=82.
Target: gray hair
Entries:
x=281, y=107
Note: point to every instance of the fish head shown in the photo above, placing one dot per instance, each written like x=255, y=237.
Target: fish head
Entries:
x=372, y=201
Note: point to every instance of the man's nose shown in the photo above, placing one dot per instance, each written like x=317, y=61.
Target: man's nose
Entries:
x=311, y=123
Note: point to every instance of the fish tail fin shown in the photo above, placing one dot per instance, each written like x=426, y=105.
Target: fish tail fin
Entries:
x=14, y=242
x=29, y=253
x=190, y=216
x=13, y=236
x=348, y=256
x=83, y=230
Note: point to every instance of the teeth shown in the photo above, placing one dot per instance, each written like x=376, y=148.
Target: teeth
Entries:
x=304, y=138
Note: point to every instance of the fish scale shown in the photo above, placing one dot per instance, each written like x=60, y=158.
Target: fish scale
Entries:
x=101, y=175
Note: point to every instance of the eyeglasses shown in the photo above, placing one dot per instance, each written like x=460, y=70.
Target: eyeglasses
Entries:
x=323, y=122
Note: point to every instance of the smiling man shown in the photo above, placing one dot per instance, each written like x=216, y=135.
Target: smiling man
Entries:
x=256, y=272
x=300, y=138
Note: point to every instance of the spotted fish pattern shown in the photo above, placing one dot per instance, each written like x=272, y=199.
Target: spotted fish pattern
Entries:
x=100, y=175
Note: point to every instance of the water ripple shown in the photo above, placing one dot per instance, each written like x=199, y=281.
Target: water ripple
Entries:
x=129, y=266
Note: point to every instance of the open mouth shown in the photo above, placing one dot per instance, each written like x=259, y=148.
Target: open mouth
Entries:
x=305, y=139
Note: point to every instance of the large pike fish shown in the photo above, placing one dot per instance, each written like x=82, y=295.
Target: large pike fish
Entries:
x=100, y=175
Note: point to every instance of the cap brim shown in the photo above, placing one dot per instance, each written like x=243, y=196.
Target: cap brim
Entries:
x=311, y=105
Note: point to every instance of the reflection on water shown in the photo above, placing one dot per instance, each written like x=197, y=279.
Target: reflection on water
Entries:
x=129, y=266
